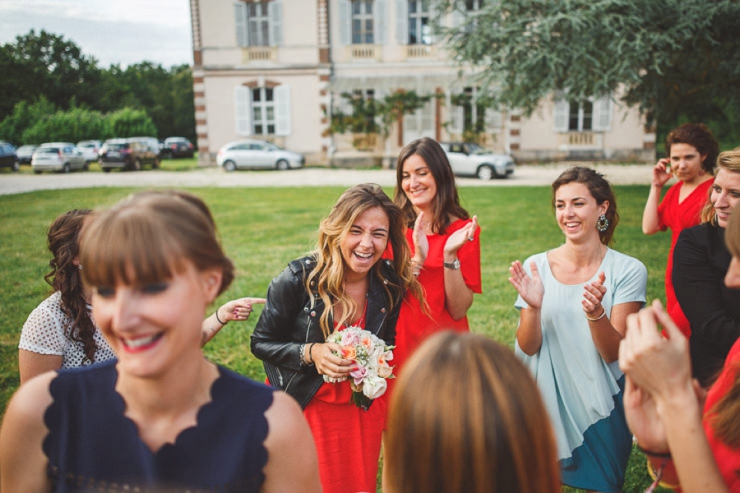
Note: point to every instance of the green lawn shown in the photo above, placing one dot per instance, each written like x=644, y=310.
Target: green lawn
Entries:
x=263, y=229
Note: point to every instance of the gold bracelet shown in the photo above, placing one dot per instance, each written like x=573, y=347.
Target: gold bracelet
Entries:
x=654, y=475
x=597, y=318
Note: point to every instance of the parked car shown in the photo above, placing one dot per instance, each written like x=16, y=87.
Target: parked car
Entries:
x=178, y=147
x=257, y=154
x=25, y=153
x=151, y=144
x=129, y=154
x=57, y=156
x=8, y=158
x=470, y=159
x=90, y=149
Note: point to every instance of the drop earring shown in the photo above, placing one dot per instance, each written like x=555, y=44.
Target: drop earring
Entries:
x=602, y=224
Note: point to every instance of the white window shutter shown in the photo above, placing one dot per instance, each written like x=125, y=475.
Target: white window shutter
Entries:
x=560, y=115
x=402, y=22
x=242, y=110
x=275, y=13
x=240, y=14
x=282, y=110
x=345, y=22
x=456, y=116
x=602, y=114
x=458, y=18
x=493, y=119
x=379, y=18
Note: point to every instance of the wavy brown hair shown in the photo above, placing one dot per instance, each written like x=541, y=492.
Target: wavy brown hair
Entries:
x=729, y=161
x=600, y=190
x=329, y=272
x=446, y=205
x=467, y=416
x=64, y=276
x=723, y=415
x=148, y=237
x=699, y=136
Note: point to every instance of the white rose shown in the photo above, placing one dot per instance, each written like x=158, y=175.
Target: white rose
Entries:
x=373, y=387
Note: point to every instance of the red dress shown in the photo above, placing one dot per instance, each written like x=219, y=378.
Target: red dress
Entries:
x=347, y=438
x=413, y=324
x=679, y=216
x=727, y=458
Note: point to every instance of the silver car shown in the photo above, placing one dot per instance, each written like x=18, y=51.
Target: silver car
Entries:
x=57, y=156
x=90, y=149
x=469, y=159
x=257, y=154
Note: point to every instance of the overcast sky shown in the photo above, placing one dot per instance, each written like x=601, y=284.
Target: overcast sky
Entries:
x=112, y=31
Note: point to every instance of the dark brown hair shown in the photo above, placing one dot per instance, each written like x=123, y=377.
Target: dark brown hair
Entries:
x=149, y=236
x=600, y=190
x=64, y=276
x=446, y=204
x=699, y=136
x=467, y=416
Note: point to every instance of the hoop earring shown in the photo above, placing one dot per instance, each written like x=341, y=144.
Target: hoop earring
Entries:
x=602, y=224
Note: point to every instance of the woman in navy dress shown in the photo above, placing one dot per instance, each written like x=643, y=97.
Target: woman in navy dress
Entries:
x=161, y=417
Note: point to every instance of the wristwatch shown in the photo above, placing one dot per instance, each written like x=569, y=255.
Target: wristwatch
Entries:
x=454, y=265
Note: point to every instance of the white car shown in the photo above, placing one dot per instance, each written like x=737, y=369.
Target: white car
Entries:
x=57, y=156
x=469, y=159
x=90, y=149
x=257, y=154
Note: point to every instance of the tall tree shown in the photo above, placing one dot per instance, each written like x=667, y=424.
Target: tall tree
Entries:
x=53, y=67
x=674, y=58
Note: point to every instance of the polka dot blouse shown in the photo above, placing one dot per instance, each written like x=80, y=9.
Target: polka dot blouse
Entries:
x=43, y=333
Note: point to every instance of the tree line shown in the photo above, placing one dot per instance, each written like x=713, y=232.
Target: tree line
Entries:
x=50, y=90
x=677, y=60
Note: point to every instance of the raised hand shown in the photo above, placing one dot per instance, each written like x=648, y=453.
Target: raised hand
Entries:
x=460, y=237
x=661, y=173
x=593, y=293
x=530, y=288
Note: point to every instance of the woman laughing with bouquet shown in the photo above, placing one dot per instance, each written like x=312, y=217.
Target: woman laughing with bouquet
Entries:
x=326, y=332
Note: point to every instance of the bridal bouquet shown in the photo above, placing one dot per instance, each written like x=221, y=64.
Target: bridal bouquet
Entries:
x=371, y=356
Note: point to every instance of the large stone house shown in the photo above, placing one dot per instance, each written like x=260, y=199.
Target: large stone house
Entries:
x=276, y=70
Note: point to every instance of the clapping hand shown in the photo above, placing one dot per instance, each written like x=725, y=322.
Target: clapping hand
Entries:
x=529, y=287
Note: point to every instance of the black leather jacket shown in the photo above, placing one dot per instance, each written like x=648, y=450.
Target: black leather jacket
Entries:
x=288, y=320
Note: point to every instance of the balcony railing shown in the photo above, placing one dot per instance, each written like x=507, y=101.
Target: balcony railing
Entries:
x=581, y=139
x=421, y=51
x=259, y=54
x=363, y=52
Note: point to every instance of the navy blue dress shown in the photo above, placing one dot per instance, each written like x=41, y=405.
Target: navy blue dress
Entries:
x=93, y=446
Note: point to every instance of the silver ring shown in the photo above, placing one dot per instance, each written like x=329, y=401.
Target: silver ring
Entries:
x=471, y=238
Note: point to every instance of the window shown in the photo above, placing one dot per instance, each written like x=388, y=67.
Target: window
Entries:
x=420, y=28
x=580, y=115
x=472, y=5
x=587, y=115
x=362, y=22
x=473, y=114
x=258, y=23
x=263, y=111
x=420, y=123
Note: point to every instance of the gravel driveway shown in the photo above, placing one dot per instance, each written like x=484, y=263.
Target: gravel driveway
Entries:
x=525, y=175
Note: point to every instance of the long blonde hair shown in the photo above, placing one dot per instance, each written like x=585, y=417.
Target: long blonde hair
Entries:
x=467, y=416
x=327, y=277
x=729, y=160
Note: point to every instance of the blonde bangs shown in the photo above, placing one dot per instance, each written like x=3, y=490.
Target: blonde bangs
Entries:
x=128, y=246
